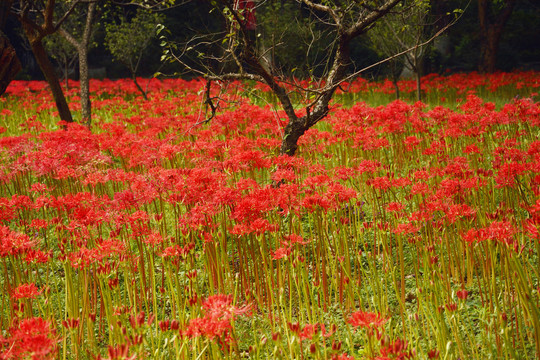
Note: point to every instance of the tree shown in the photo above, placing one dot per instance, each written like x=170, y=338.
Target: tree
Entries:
x=128, y=40
x=407, y=28
x=9, y=62
x=37, y=20
x=82, y=44
x=342, y=20
x=492, y=17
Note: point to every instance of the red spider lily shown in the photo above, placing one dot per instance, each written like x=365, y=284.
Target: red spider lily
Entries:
x=395, y=350
x=221, y=306
x=153, y=239
x=420, y=188
x=105, y=249
x=295, y=239
x=411, y=142
x=394, y=207
x=217, y=320
x=209, y=327
x=26, y=291
x=471, y=149
x=382, y=183
x=39, y=188
x=257, y=226
x=309, y=330
x=34, y=337
x=177, y=251
x=37, y=256
x=369, y=166
x=499, y=231
x=367, y=319
x=282, y=252
x=14, y=243
x=406, y=228
x=506, y=177
x=462, y=294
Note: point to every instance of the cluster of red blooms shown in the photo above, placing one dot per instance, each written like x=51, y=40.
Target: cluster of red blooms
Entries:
x=33, y=338
x=219, y=312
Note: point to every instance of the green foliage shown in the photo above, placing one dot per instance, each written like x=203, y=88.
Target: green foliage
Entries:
x=59, y=49
x=128, y=39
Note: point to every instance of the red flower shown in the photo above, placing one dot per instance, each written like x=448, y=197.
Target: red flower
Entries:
x=366, y=319
x=281, y=253
x=26, y=291
x=33, y=338
x=394, y=207
x=217, y=320
x=308, y=331
x=462, y=294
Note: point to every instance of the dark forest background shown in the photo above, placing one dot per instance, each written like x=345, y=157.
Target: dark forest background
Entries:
x=457, y=50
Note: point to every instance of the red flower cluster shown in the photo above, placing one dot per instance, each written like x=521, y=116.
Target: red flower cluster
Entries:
x=32, y=338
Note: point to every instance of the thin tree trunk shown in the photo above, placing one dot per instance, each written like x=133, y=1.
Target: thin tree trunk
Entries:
x=66, y=74
x=51, y=77
x=82, y=49
x=396, y=87
x=143, y=93
x=298, y=126
x=84, y=81
x=9, y=63
x=418, y=85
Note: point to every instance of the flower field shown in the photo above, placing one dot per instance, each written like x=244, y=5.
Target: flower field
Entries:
x=403, y=231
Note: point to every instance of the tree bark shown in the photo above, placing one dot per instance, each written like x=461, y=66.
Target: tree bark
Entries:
x=35, y=34
x=82, y=49
x=298, y=126
x=491, y=32
x=141, y=90
x=52, y=78
x=84, y=81
x=9, y=63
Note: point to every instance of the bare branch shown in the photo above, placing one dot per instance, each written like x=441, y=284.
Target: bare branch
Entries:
x=363, y=24
x=233, y=76
x=88, y=25
x=69, y=37
x=65, y=16
x=323, y=8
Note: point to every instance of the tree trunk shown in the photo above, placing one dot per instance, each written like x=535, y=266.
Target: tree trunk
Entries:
x=293, y=131
x=258, y=68
x=82, y=50
x=66, y=70
x=84, y=81
x=51, y=77
x=143, y=93
x=298, y=126
x=396, y=88
x=488, y=52
x=9, y=63
x=490, y=33
x=418, y=85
